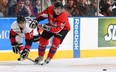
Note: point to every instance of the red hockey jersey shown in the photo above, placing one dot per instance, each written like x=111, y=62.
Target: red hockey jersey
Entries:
x=58, y=23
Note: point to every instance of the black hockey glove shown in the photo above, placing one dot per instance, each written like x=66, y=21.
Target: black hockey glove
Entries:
x=33, y=24
x=15, y=48
x=46, y=27
x=36, y=38
x=24, y=54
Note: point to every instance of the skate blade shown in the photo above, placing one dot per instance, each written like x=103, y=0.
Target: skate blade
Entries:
x=40, y=63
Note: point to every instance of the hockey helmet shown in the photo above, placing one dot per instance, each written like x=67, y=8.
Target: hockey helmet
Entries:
x=20, y=19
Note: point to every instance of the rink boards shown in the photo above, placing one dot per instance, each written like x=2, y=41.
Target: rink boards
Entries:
x=88, y=37
x=64, y=51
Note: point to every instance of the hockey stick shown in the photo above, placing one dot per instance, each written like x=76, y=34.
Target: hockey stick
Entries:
x=31, y=60
x=35, y=62
x=20, y=59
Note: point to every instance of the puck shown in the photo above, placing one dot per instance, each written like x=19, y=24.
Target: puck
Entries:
x=104, y=69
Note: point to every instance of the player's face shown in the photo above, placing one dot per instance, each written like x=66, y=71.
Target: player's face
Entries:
x=58, y=11
x=22, y=25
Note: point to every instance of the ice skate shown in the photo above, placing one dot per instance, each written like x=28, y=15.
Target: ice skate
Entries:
x=46, y=61
x=38, y=60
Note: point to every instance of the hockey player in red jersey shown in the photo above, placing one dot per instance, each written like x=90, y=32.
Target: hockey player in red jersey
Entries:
x=23, y=28
x=58, y=26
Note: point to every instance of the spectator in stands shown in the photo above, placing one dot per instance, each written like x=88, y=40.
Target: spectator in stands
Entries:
x=58, y=0
x=18, y=9
x=82, y=8
x=1, y=13
x=4, y=7
x=105, y=7
x=29, y=7
x=70, y=7
x=37, y=7
x=11, y=2
x=92, y=9
x=114, y=8
x=53, y=1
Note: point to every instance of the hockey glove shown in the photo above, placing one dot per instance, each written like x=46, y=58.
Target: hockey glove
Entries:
x=33, y=24
x=24, y=54
x=15, y=49
x=36, y=38
x=46, y=27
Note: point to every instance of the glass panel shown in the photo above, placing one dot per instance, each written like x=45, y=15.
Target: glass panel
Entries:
x=89, y=8
x=12, y=8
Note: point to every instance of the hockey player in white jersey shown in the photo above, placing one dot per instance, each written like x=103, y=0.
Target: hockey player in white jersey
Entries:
x=23, y=28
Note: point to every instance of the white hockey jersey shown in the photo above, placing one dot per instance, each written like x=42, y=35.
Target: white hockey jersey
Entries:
x=17, y=34
x=15, y=27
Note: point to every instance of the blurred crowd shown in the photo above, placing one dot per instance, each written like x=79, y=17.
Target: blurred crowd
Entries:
x=12, y=8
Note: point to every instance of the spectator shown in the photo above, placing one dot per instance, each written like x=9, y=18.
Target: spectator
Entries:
x=4, y=7
x=105, y=7
x=53, y=1
x=92, y=9
x=70, y=7
x=1, y=13
x=37, y=7
x=114, y=8
x=11, y=2
x=18, y=9
x=82, y=8
x=29, y=7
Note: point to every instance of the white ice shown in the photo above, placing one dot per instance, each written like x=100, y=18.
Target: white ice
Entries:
x=107, y=64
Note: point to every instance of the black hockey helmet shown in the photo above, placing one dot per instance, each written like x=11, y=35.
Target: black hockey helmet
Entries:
x=58, y=5
x=20, y=19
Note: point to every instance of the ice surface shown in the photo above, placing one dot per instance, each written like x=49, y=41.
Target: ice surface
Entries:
x=63, y=65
